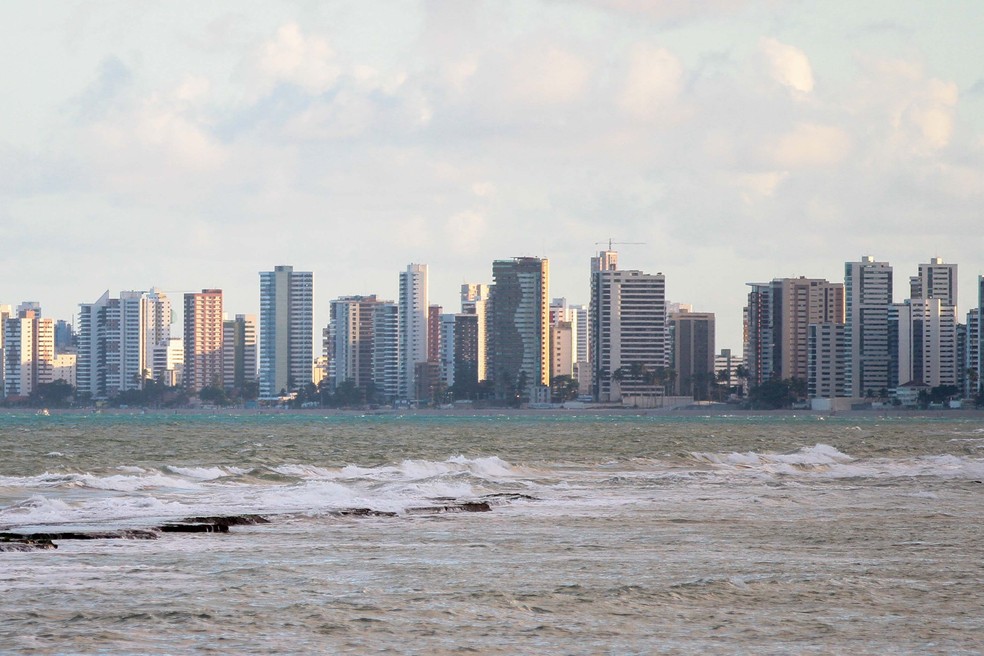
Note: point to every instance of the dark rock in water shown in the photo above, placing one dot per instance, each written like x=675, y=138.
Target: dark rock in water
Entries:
x=230, y=520
x=510, y=496
x=195, y=528
x=362, y=512
x=131, y=534
x=463, y=506
x=13, y=543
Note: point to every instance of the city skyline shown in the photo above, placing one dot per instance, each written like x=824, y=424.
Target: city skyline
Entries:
x=187, y=146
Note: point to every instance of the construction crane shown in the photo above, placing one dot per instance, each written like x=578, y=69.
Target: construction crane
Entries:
x=620, y=243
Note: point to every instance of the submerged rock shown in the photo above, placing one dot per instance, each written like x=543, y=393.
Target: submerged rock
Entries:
x=228, y=520
x=15, y=543
x=362, y=512
x=195, y=528
x=460, y=506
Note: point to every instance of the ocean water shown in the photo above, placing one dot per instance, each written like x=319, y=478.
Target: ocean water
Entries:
x=607, y=534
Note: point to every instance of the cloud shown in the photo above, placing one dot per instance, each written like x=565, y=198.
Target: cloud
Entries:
x=466, y=230
x=788, y=65
x=810, y=144
x=548, y=76
x=293, y=57
x=652, y=83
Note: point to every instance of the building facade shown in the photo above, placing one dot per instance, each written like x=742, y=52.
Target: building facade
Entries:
x=203, y=340
x=413, y=327
x=628, y=334
x=519, y=335
x=868, y=355
x=286, y=330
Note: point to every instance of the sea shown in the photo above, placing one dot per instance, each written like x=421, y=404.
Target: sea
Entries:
x=499, y=533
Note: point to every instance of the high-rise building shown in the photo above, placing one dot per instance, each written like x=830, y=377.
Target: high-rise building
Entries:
x=760, y=334
x=628, y=335
x=935, y=280
x=927, y=343
x=474, y=300
x=29, y=352
x=564, y=338
x=239, y=351
x=5, y=313
x=386, y=350
x=434, y=335
x=779, y=316
x=116, y=341
x=466, y=354
x=413, y=326
x=826, y=363
x=203, y=327
x=156, y=323
x=286, y=330
x=693, y=353
x=169, y=362
x=445, y=354
x=519, y=348
x=363, y=345
x=867, y=354
x=975, y=344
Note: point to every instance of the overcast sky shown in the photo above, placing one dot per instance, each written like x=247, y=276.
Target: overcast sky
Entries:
x=193, y=144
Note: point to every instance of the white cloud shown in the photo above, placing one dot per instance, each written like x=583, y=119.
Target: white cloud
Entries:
x=810, y=144
x=788, y=65
x=466, y=231
x=291, y=56
x=653, y=81
x=549, y=76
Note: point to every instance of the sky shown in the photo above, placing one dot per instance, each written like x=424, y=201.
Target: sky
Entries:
x=189, y=145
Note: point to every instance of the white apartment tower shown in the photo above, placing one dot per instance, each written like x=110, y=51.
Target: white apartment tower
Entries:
x=413, y=326
x=628, y=334
x=29, y=352
x=867, y=353
x=927, y=342
x=286, y=330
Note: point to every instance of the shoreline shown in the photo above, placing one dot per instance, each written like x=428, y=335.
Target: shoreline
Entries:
x=680, y=411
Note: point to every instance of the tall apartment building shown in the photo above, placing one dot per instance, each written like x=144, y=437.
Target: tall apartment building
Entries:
x=936, y=279
x=29, y=352
x=779, y=316
x=413, y=326
x=564, y=338
x=117, y=340
x=519, y=338
x=239, y=349
x=760, y=338
x=926, y=337
x=467, y=357
x=693, y=353
x=286, y=330
x=974, y=367
x=156, y=319
x=445, y=346
x=434, y=335
x=386, y=350
x=203, y=327
x=364, y=344
x=169, y=362
x=628, y=333
x=474, y=300
x=867, y=352
x=826, y=364
x=5, y=313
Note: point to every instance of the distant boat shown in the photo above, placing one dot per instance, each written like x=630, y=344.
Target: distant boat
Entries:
x=43, y=412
